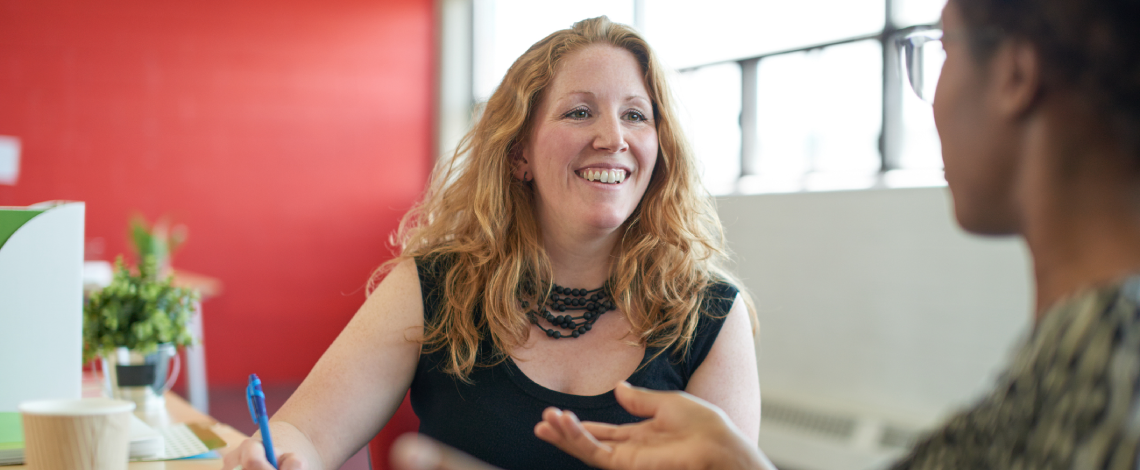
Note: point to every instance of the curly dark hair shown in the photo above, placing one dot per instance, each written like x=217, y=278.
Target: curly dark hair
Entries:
x=1091, y=47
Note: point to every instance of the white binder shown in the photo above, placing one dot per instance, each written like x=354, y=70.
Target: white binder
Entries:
x=41, y=302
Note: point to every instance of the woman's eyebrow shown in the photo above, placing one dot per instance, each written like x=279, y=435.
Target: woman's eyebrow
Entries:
x=642, y=99
x=570, y=95
x=591, y=94
x=577, y=92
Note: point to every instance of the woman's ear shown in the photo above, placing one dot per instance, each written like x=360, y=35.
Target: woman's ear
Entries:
x=521, y=165
x=1017, y=71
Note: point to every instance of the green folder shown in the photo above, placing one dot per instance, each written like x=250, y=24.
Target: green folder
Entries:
x=11, y=218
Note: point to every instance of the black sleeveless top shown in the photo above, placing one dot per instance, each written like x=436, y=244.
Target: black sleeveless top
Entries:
x=493, y=417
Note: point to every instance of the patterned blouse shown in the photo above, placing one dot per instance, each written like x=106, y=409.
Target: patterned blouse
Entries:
x=1069, y=400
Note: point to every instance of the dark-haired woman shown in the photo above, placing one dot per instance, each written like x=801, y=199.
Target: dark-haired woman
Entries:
x=1038, y=110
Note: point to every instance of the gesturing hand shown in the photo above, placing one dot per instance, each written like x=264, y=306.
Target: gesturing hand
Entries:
x=682, y=432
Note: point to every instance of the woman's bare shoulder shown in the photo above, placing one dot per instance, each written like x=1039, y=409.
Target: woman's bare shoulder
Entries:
x=397, y=296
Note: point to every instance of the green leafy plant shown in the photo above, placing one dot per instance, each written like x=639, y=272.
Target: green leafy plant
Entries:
x=138, y=311
x=159, y=240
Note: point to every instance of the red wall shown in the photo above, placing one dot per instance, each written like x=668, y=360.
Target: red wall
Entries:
x=287, y=135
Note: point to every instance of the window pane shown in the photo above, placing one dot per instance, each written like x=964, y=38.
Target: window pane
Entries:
x=709, y=102
x=687, y=33
x=912, y=12
x=921, y=149
x=819, y=118
x=504, y=29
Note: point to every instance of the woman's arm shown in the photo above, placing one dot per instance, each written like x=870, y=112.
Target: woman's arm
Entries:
x=728, y=378
x=355, y=387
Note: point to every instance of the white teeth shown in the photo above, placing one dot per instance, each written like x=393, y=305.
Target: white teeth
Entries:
x=604, y=176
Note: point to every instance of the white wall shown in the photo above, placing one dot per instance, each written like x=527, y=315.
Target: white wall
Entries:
x=874, y=301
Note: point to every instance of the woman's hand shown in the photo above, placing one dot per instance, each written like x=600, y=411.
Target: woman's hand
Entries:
x=250, y=455
x=682, y=432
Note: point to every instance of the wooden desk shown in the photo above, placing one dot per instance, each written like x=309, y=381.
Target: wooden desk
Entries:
x=182, y=412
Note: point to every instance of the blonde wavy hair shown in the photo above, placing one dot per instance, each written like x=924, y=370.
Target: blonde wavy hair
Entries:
x=481, y=219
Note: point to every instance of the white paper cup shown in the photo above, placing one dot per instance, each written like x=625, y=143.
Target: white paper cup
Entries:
x=87, y=434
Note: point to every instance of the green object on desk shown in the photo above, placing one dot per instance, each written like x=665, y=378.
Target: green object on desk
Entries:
x=11, y=219
x=11, y=431
x=11, y=438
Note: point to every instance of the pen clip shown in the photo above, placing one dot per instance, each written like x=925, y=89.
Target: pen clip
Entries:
x=249, y=402
x=252, y=393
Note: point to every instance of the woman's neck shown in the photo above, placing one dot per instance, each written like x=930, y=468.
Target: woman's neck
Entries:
x=1080, y=196
x=1080, y=252
x=579, y=260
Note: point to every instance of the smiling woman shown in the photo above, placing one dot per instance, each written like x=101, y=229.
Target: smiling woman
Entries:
x=575, y=175
x=593, y=126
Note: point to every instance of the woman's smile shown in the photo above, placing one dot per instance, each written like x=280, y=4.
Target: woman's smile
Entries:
x=606, y=176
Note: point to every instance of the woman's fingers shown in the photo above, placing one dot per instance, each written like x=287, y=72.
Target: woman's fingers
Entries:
x=575, y=430
x=230, y=460
x=563, y=425
x=637, y=401
x=640, y=402
x=671, y=409
x=553, y=418
x=607, y=432
x=250, y=455
x=289, y=461
x=564, y=431
x=557, y=424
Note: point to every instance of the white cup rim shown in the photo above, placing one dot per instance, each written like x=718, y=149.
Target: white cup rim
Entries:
x=81, y=407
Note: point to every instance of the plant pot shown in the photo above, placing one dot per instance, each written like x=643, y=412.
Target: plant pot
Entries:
x=141, y=378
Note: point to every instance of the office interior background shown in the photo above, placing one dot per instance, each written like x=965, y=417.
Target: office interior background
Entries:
x=290, y=136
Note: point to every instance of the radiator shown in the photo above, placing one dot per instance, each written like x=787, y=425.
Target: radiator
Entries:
x=802, y=437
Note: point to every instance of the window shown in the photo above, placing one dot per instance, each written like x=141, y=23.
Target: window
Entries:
x=775, y=96
x=504, y=29
x=818, y=117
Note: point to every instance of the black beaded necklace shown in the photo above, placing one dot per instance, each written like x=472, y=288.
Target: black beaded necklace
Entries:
x=595, y=302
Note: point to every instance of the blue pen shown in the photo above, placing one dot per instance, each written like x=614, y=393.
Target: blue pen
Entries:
x=255, y=398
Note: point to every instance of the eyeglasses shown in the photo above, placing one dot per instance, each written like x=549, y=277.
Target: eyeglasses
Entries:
x=922, y=58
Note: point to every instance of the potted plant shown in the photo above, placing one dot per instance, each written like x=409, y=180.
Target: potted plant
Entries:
x=138, y=312
x=134, y=325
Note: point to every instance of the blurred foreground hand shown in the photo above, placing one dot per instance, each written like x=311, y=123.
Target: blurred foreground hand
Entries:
x=416, y=452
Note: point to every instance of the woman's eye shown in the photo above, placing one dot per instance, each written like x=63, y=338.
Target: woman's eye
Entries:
x=635, y=116
x=578, y=114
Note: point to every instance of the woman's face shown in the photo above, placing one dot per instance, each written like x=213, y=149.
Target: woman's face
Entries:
x=977, y=138
x=593, y=142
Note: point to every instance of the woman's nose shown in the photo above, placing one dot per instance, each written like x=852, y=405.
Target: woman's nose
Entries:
x=610, y=135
